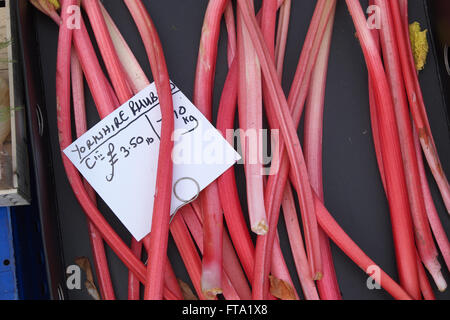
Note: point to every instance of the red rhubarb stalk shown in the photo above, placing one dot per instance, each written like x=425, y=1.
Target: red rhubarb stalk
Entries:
x=343, y=241
x=98, y=85
x=234, y=282
x=424, y=239
x=234, y=216
x=139, y=81
x=373, y=112
x=392, y=157
x=65, y=139
x=121, y=85
x=98, y=248
x=263, y=261
x=110, y=236
x=229, y=196
x=278, y=263
x=107, y=49
x=231, y=32
x=433, y=217
x=297, y=245
x=313, y=133
x=161, y=210
x=133, y=282
x=300, y=85
x=299, y=89
x=250, y=120
x=188, y=251
x=103, y=95
x=267, y=246
x=274, y=193
x=417, y=104
x=425, y=287
x=282, y=34
x=228, y=190
x=213, y=229
x=226, y=114
x=233, y=278
x=324, y=218
x=136, y=76
x=210, y=200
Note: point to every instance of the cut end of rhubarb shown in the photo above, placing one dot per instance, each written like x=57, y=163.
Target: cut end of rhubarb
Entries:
x=211, y=294
x=318, y=276
x=261, y=228
x=211, y=281
x=434, y=268
x=440, y=281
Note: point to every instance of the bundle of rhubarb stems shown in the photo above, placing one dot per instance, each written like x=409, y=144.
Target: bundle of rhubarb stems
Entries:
x=224, y=262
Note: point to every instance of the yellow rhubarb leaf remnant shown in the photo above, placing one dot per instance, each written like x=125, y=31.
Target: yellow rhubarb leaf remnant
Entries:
x=419, y=45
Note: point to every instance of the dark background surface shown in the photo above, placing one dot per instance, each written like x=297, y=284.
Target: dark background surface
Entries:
x=353, y=190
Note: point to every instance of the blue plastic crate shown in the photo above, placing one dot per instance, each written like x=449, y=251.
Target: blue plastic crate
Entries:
x=8, y=283
x=30, y=262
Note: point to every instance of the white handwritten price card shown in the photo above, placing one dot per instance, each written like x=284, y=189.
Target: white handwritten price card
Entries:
x=119, y=157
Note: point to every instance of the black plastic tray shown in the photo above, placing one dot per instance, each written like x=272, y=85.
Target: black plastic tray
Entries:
x=353, y=190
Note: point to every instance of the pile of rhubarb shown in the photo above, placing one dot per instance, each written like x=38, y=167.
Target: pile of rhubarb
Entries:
x=231, y=252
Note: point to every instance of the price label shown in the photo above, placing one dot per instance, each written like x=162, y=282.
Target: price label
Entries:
x=119, y=157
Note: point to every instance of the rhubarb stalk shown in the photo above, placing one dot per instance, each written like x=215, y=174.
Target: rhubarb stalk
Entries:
x=210, y=199
x=161, y=210
x=98, y=248
x=392, y=157
x=250, y=120
x=282, y=33
x=107, y=49
x=417, y=104
x=424, y=239
x=433, y=217
x=323, y=216
x=274, y=193
x=313, y=133
x=233, y=279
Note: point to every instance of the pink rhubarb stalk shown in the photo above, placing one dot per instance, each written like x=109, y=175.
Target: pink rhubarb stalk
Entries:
x=433, y=217
x=297, y=245
x=106, y=101
x=231, y=32
x=107, y=49
x=233, y=280
x=250, y=120
x=424, y=239
x=299, y=90
x=282, y=34
x=324, y=218
x=161, y=210
x=274, y=193
x=417, y=104
x=188, y=251
x=313, y=133
x=229, y=195
x=136, y=76
x=133, y=282
x=65, y=139
x=210, y=200
x=98, y=248
x=139, y=81
x=392, y=157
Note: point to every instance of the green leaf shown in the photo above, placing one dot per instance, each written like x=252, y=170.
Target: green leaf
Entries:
x=5, y=44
